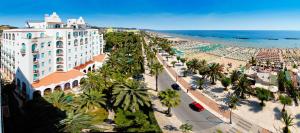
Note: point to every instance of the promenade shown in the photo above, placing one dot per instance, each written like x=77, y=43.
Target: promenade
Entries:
x=239, y=124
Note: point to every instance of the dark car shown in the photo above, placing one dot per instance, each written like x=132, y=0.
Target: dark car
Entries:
x=139, y=77
x=196, y=106
x=175, y=86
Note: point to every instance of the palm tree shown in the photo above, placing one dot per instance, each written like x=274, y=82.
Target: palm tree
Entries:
x=253, y=61
x=234, y=76
x=288, y=121
x=173, y=63
x=186, y=127
x=281, y=81
x=203, y=68
x=268, y=63
x=215, y=72
x=131, y=95
x=285, y=100
x=93, y=82
x=156, y=69
x=169, y=98
x=75, y=122
x=183, y=60
x=200, y=82
x=295, y=65
x=232, y=101
x=59, y=100
x=242, y=87
x=262, y=95
x=90, y=100
x=172, y=53
x=178, y=58
x=194, y=65
x=225, y=82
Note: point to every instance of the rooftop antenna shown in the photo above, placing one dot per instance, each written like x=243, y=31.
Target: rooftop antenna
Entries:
x=28, y=24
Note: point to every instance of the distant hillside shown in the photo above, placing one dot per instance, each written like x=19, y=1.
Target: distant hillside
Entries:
x=4, y=27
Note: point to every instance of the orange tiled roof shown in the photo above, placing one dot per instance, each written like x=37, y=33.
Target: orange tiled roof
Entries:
x=82, y=66
x=57, y=77
x=99, y=58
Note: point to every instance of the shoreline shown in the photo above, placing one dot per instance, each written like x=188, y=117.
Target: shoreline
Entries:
x=196, y=48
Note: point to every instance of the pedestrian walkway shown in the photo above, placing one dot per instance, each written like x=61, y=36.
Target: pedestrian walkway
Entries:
x=239, y=124
x=166, y=124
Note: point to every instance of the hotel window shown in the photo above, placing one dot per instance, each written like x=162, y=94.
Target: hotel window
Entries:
x=42, y=45
x=69, y=50
x=42, y=55
x=43, y=64
x=49, y=53
x=69, y=42
x=42, y=34
x=69, y=58
x=49, y=69
x=69, y=35
x=29, y=35
x=43, y=73
x=49, y=61
x=49, y=44
x=70, y=66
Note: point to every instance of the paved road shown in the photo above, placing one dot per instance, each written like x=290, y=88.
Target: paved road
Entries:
x=200, y=120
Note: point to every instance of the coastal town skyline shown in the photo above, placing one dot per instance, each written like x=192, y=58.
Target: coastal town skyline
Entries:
x=188, y=15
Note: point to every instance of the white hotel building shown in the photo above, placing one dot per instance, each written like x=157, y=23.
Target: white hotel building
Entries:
x=50, y=55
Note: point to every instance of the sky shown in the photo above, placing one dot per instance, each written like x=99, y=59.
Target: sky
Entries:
x=162, y=14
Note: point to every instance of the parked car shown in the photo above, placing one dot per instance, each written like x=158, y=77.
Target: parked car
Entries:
x=139, y=77
x=196, y=106
x=175, y=86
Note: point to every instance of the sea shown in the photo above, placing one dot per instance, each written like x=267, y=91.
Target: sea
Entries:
x=244, y=38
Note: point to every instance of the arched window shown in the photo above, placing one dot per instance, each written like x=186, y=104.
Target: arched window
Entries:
x=29, y=35
x=75, y=42
x=81, y=41
x=9, y=36
x=33, y=47
x=23, y=48
x=86, y=41
x=59, y=44
x=13, y=36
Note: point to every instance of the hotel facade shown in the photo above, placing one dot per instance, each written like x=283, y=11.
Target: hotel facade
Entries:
x=50, y=55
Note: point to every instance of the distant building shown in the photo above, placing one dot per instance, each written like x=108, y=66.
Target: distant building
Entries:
x=108, y=30
x=50, y=55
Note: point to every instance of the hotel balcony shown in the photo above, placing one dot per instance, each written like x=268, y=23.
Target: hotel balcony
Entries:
x=59, y=54
x=35, y=51
x=59, y=38
x=60, y=62
x=59, y=46
x=36, y=62
x=36, y=79
x=36, y=71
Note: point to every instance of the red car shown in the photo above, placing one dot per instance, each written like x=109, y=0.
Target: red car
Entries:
x=197, y=106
